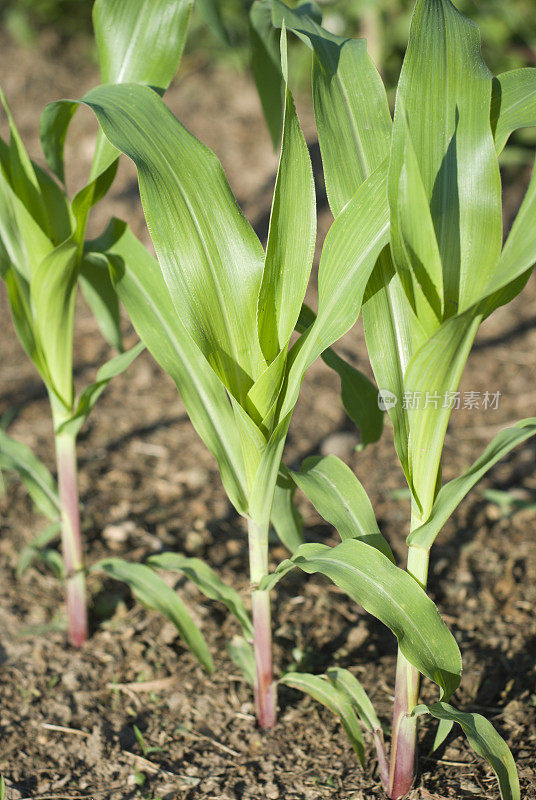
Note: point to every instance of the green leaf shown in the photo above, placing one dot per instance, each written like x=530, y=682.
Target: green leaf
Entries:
x=266, y=66
x=391, y=595
x=485, y=741
x=266, y=60
x=392, y=333
x=23, y=178
x=291, y=236
x=151, y=591
x=324, y=692
x=210, y=10
x=351, y=109
x=33, y=551
x=455, y=151
x=452, y=493
x=340, y=498
x=143, y=292
x=241, y=653
x=359, y=395
x=436, y=369
x=53, y=295
x=350, y=250
x=286, y=518
x=209, y=255
x=207, y=581
x=345, y=682
x=519, y=251
x=101, y=297
x=37, y=479
x=91, y=393
x=513, y=103
x=359, y=398
x=140, y=41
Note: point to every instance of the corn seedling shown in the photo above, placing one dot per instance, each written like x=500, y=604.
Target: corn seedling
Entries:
x=217, y=312
x=44, y=258
x=438, y=267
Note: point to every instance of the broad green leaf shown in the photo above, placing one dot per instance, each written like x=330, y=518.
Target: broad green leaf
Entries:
x=359, y=395
x=143, y=292
x=266, y=61
x=241, y=653
x=431, y=379
x=485, y=741
x=19, y=300
x=33, y=551
x=140, y=41
x=392, y=333
x=151, y=591
x=209, y=255
x=344, y=681
x=207, y=581
x=23, y=178
x=413, y=240
x=350, y=250
x=329, y=695
x=91, y=393
x=351, y=110
x=37, y=479
x=285, y=517
x=53, y=296
x=101, y=297
x=452, y=493
x=53, y=126
x=455, y=152
x=262, y=492
x=291, y=236
x=519, y=251
x=266, y=66
x=340, y=498
x=391, y=595
x=23, y=238
x=513, y=103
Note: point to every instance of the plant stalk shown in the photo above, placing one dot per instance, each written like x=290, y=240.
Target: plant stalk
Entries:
x=71, y=540
x=265, y=689
x=404, y=739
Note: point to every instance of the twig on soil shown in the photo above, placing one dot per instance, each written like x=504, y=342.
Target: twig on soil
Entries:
x=142, y=686
x=217, y=744
x=61, y=729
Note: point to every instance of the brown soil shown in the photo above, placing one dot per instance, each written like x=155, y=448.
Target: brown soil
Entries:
x=147, y=481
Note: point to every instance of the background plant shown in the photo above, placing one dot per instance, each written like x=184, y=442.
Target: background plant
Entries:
x=44, y=258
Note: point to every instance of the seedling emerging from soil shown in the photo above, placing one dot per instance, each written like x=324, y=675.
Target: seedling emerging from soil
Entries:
x=217, y=312
x=44, y=258
x=439, y=268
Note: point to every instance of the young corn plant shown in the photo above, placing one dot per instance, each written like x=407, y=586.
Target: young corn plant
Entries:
x=217, y=312
x=439, y=269
x=44, y=258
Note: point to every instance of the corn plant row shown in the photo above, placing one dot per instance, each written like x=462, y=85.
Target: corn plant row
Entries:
x=416, y=242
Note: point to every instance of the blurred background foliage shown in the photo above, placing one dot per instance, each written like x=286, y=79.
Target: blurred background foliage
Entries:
x=220, y=31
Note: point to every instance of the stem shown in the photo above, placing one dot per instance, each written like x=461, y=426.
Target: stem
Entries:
x=404, y=739
x=71, y=540
x=265, y=690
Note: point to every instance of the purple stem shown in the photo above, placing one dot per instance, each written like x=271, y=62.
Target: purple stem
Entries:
x=71, y=540
x=265, y=688
x=403, y=743
x=404, y=739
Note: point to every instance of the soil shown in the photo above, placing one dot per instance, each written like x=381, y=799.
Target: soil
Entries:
x=67, y=718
